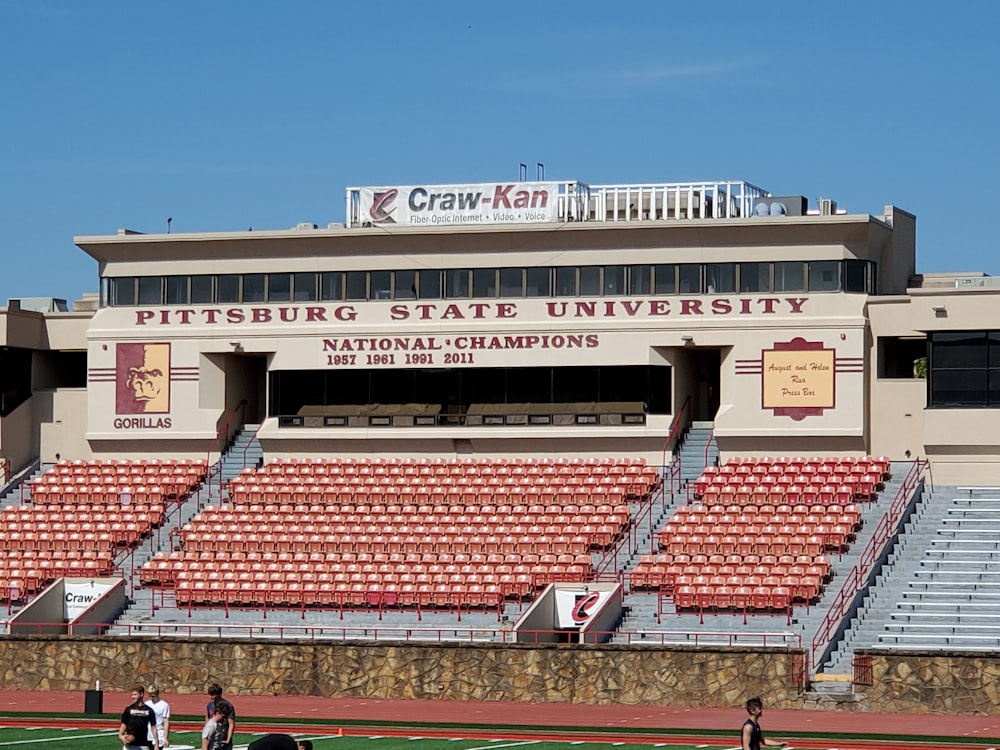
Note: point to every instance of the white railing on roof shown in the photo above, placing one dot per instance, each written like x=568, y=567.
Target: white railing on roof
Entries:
x=655, y=202
x=680, y=200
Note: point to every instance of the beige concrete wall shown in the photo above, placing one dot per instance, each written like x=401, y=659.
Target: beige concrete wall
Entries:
x=63, y=429
x=963, y=445
x=19, y=435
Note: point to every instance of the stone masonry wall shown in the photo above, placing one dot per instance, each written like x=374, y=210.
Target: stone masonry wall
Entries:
x=494, y=672
x=910, y=682
x=933, y=682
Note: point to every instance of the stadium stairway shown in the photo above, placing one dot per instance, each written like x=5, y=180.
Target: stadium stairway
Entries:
x=698, y=450
x=879, y=598
x=952, y=597
x=244, y=450
x=640, y=607
x=671, y=627
x=11, y=493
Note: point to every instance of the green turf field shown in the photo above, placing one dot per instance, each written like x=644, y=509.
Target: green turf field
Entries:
x=41, y=738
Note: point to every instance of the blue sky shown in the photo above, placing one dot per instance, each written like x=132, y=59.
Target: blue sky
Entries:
x=225, y=115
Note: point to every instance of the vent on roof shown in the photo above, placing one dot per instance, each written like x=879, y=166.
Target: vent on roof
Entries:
x=827, y=207
x=978, y=282
x=304, y=225
x=780, y=205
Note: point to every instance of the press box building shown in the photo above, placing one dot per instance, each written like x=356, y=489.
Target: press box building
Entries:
x=520, y=319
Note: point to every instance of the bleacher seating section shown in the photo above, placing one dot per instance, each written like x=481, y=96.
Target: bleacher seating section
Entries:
x=409, y=533
x=758, y=532
x=79, y=514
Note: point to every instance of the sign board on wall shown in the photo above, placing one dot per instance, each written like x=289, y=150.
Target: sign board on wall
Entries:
x=457, y=205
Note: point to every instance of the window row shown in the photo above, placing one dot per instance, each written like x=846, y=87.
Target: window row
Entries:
x=964, y=369
x=491, y=283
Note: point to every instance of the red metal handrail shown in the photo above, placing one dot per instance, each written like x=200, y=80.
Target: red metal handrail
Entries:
x=249, y=443
x=258, y=630
x=871, y=553
x=677, y=425
x=223, y=430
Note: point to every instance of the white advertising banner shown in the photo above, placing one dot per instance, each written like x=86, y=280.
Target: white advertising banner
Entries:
x=79, y=597
x=575, y=608
x=457, y=205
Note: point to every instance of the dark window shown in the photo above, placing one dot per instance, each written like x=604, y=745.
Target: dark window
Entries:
x=897, y=356
x=304, y=287
x=430, y=285
x=406, y=285
x=614, y=281
x=123, y=291
x=755, y=277
x=665, y=279
x=856, y=276
x=177, y=290
x=565, y=281
x=640, y=280
x=511, y=282
x=590, y=281
x=331, y=285
x=690, y=278
x=202, y=289
x=357, y=285
x=538, y=282
x=229, y=288
x=720, y=278
x=824, y=276
x=484, y=283
x=964, y=368
x=381, y=282
x=150, y=290
x=253, y=287
x=789, y=276
x=457, y=283
x=279, y=287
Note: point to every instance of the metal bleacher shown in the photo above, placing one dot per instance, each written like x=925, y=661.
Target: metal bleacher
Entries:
x=953, y=596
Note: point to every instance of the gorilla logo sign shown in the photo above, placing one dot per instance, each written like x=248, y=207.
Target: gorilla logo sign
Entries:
x=142, y=379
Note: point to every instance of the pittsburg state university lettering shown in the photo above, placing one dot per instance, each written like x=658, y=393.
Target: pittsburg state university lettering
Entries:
x=417, y=311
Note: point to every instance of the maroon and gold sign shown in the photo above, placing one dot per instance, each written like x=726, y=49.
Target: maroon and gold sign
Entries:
x=142, y=379
x=798, y=378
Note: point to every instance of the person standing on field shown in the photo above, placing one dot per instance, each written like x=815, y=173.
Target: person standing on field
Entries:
x=138, y=725
x=162, y=710
x=751, y=735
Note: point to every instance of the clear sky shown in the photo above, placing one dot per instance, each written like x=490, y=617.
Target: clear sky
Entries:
x=229, y=114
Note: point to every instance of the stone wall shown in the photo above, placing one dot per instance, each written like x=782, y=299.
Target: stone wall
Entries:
x=956, y=682
x=905, y=681
x=495, y=672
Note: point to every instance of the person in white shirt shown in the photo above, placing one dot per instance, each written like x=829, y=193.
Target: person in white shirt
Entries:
x=162, y=710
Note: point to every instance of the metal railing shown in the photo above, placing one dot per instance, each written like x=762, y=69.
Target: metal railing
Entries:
x=221, y=440
x=855, y=580
x=438, y=634
x=677, y=426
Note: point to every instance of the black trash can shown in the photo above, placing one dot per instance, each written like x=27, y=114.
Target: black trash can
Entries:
x=93, y=702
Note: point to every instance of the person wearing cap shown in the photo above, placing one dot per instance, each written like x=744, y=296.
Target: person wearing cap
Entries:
x=162, y=710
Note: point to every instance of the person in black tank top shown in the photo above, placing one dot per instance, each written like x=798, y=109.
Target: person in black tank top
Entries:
x=751, y=735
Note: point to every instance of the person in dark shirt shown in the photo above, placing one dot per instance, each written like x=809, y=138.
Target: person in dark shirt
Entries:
x=216, y=699
x=138, y=726
x=751, y=735
x=279, y=742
